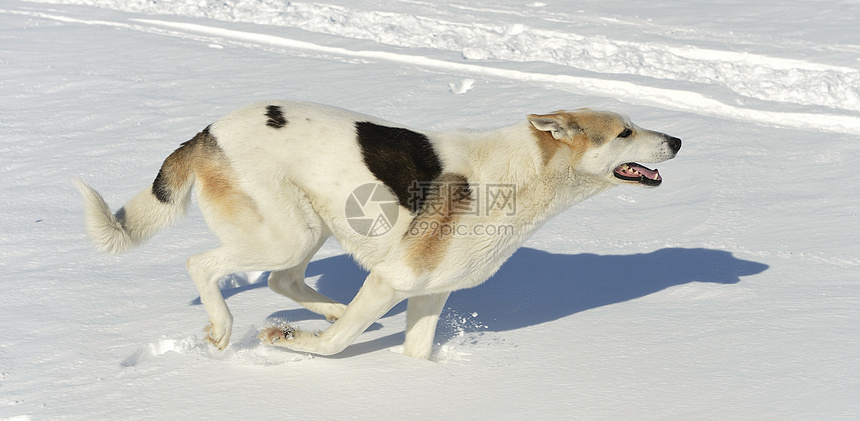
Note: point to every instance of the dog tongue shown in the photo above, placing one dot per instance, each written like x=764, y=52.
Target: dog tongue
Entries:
x=647, y=172
x=634, y=170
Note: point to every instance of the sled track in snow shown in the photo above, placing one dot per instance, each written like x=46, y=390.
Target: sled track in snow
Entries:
x=748, y=75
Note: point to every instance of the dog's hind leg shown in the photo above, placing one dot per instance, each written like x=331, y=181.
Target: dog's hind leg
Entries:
x=373, y=300
x=422, y=315
x=291, y=283
x=239, y=255
x=205, y=270
x=248, y=243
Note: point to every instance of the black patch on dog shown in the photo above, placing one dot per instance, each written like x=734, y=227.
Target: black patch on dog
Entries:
x=402, y=159
x=160, y=189
x=276, y=117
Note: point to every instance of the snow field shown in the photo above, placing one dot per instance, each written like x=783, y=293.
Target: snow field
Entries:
x=730, y=292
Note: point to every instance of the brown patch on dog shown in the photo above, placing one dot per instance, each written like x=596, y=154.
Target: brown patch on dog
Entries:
x=449, y=197
x=580, y=130
x=217, y=183
x=575, y=137
x=578, y=146
x=546, y=143
x=201, y=160
x=599, y=126
x=175, y=172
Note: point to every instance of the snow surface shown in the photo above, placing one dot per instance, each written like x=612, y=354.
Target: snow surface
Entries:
x=730, y=292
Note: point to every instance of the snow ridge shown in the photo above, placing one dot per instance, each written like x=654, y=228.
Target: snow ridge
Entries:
x=621, y=90
x=746, y=75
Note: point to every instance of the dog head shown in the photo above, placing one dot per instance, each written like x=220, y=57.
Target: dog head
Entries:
x=608, y=145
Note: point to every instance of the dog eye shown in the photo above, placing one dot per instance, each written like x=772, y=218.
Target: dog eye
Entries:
x=625, y=133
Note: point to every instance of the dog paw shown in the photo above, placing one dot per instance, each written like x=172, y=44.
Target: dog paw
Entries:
x=218, y=336
x=273, y=335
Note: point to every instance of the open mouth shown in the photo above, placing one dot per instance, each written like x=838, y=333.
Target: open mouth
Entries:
x=638, y=173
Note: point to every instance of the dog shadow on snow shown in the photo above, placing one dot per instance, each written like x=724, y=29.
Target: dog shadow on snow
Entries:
x=535, y=287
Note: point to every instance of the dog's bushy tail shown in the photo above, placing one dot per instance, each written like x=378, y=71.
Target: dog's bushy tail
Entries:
x=150, y=211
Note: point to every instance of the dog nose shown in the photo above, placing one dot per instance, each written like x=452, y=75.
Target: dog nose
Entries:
x=674, y=143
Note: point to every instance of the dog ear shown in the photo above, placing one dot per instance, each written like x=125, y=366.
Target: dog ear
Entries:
x=561, y=126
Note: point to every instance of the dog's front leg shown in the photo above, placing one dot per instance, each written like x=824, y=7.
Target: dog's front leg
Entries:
x=422, y=315
x=373, y=300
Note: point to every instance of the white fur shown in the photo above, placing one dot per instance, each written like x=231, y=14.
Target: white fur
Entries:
x=298, y=179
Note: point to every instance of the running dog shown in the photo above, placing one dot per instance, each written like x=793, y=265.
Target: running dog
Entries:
x=275, y=179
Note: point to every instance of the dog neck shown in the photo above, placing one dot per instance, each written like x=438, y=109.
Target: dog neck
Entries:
x=544, y=173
